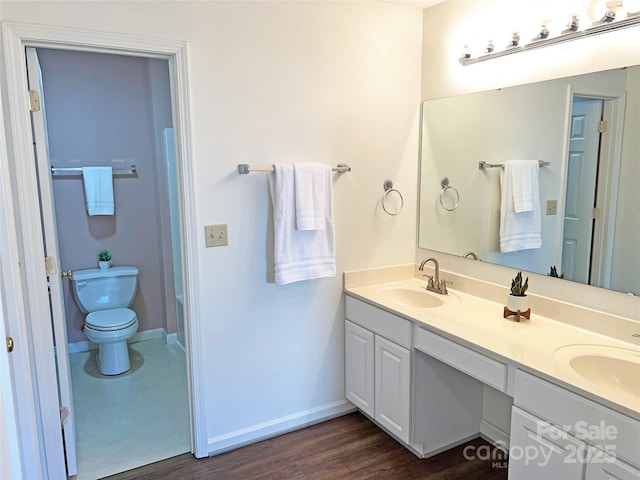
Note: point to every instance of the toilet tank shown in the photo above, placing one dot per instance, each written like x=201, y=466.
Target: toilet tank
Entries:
x=96, y=289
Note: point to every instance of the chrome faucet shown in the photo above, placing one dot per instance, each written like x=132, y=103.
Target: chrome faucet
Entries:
x=435, y=284
x=470, y=254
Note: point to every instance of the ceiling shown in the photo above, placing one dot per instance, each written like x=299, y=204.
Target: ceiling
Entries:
x=420, y=4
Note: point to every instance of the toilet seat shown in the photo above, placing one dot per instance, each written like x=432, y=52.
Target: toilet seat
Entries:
x=110, y=320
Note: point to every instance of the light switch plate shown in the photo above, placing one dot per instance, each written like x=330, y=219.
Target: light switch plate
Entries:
x=552, y=207
x=216, y=235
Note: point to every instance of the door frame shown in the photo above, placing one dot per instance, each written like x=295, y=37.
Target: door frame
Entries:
x=608, y=178
x=17, y=36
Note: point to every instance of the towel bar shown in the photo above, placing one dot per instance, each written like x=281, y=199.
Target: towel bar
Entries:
x=483, y=165
x=116, y=171
x=244, y=168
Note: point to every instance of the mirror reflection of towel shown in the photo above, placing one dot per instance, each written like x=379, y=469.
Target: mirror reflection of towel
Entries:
x=98, y=190
x=520, y=224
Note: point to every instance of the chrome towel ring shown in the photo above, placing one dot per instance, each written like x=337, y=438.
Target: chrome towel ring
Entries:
x=388, y=188
x=444, y=183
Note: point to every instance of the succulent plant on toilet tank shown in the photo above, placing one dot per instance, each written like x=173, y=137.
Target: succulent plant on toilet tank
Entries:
x=104, y=259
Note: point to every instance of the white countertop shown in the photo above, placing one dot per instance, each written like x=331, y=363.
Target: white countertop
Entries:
x=530, y=344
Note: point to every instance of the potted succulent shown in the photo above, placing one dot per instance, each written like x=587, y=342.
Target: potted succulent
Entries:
x=104, y=259
x=554, y=272
x=517, y=300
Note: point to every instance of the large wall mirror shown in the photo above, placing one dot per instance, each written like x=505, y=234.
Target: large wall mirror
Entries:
x=587, y=128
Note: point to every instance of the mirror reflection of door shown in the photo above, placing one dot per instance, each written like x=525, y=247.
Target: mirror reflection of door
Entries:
x=580, y=202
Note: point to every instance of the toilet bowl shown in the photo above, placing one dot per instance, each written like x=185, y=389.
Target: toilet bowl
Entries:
x=111, y=329
x=104, y=296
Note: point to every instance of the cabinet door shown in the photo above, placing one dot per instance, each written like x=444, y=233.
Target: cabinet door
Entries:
x=602, y=466
x=538, y=450
x=359, y=364
x=392, y=386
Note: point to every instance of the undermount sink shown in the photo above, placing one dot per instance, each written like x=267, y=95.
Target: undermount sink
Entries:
x=407, y=297
x=610, y=367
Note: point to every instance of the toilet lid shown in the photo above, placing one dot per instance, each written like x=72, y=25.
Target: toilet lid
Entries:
x=112, y=319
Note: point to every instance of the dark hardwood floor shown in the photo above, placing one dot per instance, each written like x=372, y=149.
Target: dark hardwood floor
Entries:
x=349, y=447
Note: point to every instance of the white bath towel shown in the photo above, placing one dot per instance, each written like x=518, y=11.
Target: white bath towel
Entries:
x=311, y=180
x=98, y=190
x=299, y=254
x=520, y=229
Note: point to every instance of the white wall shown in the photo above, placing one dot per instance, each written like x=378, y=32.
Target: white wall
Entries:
x=277, y=82
x=626, y=268
x=447, y=27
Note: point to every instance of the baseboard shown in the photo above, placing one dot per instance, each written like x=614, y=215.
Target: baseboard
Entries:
x=494, y=435
x=279, y=426
x=152, y=334
x=170, y=338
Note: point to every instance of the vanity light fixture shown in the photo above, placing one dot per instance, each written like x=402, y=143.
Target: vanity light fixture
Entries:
x=605, y=16
x=572, y=26
x=490, y=47
x=515, y=40
x=542, y=35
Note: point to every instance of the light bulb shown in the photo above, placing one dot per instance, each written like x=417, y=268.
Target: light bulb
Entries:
x=598, y=11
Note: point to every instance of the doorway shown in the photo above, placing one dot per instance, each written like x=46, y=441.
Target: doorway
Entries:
x=98, y=109
x=46, y=448
x=592, y=173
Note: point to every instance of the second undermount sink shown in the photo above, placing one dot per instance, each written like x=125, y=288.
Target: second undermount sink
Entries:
x=610, y=367
x=408, y=297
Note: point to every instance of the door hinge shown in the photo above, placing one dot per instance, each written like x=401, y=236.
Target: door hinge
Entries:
x=603, y=126
x=64, y=414
x=10, y=344
x=596, y=213
x=50, y=266
x=34, y=101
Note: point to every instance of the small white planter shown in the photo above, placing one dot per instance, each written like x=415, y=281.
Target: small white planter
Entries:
x=104, y=265
x=517, y=304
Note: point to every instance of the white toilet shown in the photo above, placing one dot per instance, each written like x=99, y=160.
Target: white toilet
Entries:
x=105, y=296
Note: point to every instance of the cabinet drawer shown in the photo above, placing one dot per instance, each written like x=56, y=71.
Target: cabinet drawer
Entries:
x=584, y=418
x=485, y=369
x=379, y=321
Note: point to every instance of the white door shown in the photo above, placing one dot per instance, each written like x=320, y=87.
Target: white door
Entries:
x=358, y=363
x=392, y=379
x=581, y=189
x=47, y=210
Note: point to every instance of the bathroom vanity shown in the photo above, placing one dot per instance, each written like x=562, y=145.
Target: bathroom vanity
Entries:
x=429, y=368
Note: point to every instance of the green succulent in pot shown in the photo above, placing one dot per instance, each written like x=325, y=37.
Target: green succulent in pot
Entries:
x=104, y=255
x=518, y=288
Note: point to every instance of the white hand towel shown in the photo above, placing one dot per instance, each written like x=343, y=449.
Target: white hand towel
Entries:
x=519, y=230
x=524, y=178
x=98, y=190
x=299, y=254
x=310, y=180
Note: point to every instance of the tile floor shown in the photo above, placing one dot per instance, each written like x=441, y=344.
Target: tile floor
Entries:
x=133, y=419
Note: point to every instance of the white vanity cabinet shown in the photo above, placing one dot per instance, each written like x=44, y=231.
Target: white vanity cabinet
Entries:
x=541, y=450
x=429, y=389
x=378, y=365
x=588, y=440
